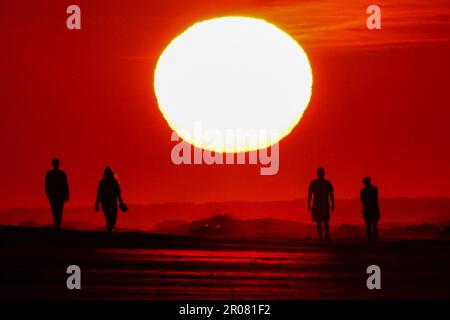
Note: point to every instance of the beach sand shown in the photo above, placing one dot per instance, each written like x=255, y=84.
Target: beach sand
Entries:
x=141, y=266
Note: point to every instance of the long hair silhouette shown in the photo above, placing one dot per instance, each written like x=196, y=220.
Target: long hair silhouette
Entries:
x=110, y=197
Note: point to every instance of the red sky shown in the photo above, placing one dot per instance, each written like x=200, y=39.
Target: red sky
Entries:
x=379, y=107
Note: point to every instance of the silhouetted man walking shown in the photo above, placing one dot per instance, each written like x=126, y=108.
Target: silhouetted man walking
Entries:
x=322, y=191
x=371, y=209
x=57, y=190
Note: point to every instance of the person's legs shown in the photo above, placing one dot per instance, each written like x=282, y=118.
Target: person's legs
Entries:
x=54, y=214
x=326, y=226
x=319, y=229
x=60, y=212
x=369, y=230
x=111, y=217
x=107, y=213
x=57, y=209
x=109, y=222
x=375, y=230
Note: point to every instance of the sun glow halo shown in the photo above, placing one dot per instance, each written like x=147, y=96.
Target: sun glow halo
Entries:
x=233, y=73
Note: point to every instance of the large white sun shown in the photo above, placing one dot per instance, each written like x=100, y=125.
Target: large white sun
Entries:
x=233, y=77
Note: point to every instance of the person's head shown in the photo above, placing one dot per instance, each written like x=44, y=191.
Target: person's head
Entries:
x=108, y=173
x=367, y=181
x=55, y=163
x=321, y=173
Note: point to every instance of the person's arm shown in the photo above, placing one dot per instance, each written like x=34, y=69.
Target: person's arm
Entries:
x=119, y=193
x=99, y=196
x=332, y=197
x=376, y=197
x=66, y=188
x=47, y=185
x=361, y=196
x=309, y=196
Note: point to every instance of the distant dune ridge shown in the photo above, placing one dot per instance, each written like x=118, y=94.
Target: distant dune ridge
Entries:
x=228, y=227
x=423, y=217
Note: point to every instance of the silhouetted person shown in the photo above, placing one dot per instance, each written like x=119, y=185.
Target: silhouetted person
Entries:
x=109, y=196
x=371, y=209
x=57, y=191
x=322, y=191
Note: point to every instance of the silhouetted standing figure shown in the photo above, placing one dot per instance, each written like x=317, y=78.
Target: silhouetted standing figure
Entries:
x=371, y=209
x=57, y=191
x=110, y=197
x=321, y=190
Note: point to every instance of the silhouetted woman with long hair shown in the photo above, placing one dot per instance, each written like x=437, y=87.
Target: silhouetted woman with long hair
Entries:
x=109, y=196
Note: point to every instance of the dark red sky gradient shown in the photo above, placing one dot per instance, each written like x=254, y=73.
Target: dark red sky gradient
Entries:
x=380, y=103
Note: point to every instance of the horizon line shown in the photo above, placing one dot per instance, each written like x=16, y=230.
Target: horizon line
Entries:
x=82, y=206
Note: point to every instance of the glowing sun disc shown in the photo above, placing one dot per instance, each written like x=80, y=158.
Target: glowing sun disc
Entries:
x=233, y=75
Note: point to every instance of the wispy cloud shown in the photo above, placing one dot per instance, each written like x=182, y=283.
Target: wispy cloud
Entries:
x=341, y=24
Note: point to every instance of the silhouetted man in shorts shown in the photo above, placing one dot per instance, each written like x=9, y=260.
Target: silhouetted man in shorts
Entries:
x=57, y=191
x=371, y=209
x=321, y=190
